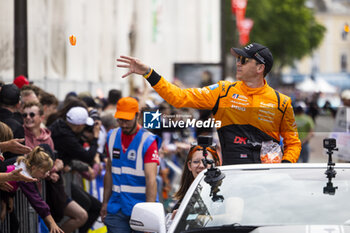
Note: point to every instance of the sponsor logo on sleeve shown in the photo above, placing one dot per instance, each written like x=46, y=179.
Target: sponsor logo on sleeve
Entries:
x=155, y=155
x=214, y=86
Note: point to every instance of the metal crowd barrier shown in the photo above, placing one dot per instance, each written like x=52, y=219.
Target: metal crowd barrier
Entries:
x=26, y=215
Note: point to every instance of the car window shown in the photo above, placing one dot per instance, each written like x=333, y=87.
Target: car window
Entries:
x=270, y=197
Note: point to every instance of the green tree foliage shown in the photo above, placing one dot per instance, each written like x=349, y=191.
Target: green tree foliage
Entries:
x=287, y=27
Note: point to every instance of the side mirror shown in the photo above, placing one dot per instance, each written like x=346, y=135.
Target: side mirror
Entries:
x=148, y=217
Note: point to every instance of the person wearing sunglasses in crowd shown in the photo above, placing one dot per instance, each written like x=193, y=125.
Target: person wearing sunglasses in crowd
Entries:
x=250, y=111
x=192, y=167
x=35, y=135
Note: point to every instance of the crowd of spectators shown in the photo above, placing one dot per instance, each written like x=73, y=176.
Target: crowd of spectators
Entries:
x=73, y=133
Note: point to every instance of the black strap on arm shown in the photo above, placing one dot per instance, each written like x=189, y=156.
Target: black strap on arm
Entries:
x=216, y=107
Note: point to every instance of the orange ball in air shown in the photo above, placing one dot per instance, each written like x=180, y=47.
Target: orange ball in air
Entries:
x=72, y=40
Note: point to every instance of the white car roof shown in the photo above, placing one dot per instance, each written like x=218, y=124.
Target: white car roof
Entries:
x=251, y=167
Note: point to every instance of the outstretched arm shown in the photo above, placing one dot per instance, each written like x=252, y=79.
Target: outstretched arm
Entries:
x=134, y=65
x=52, y=225
x=15, y=175
x=15, y=146
x=200, y=98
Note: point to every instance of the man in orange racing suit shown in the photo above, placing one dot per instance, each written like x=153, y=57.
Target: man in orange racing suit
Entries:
x=250, y=111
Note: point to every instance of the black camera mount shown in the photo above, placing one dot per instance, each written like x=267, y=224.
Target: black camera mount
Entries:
x=213, y=175
x=330, y=145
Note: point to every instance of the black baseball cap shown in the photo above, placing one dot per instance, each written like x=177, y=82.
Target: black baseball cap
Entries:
x=257, y=51
x=9, y=94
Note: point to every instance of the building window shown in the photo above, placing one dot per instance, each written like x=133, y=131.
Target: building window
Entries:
x=343, y=63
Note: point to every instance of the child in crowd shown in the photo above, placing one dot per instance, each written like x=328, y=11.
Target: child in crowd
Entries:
x=36, y=164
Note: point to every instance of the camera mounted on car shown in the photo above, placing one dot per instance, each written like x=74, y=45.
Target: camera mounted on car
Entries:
x=330, y=144
x=213, y=175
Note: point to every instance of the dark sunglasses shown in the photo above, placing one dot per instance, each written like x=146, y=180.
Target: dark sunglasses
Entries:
x=31, y=114
x=242, y=60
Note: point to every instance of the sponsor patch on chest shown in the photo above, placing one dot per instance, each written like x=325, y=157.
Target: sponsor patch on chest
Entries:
x=240, y=97
x=132, y=155
x=116, y=153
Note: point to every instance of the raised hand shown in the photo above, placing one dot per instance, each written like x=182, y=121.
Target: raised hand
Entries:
x=134, y=65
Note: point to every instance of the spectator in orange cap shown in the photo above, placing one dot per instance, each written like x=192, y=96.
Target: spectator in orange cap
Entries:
x=131, y=167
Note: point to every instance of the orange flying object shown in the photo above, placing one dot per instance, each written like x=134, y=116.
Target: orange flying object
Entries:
x=72, y=40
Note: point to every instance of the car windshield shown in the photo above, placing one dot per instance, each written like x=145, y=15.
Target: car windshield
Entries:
x=270, y=197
